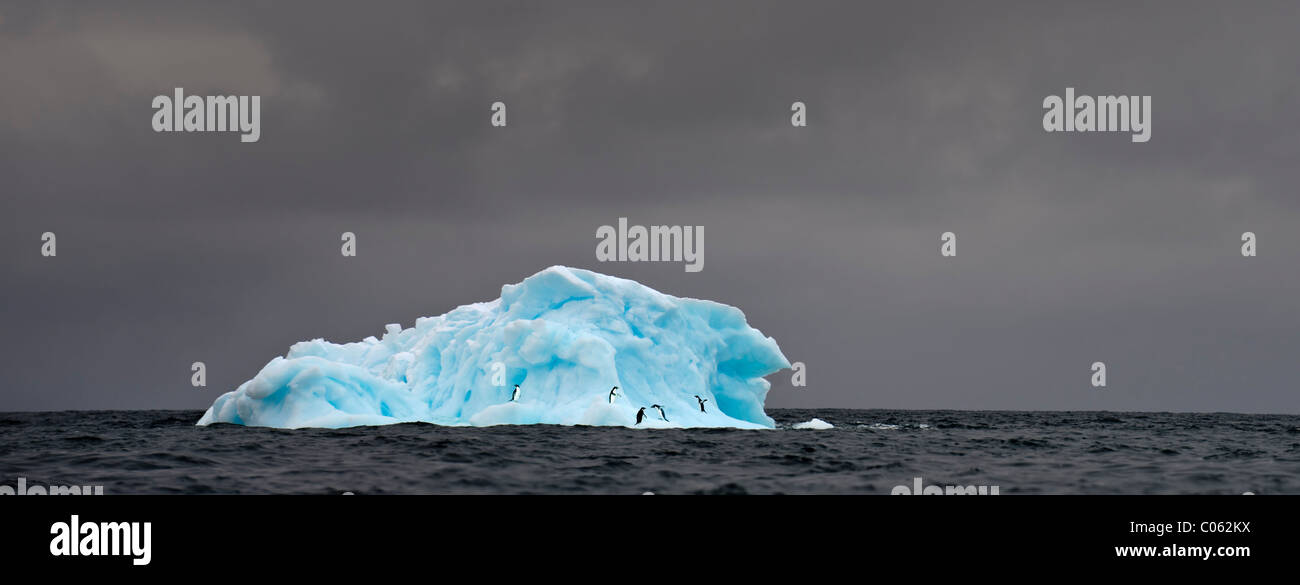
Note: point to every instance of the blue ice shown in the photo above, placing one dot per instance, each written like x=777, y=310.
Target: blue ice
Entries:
x=566, y=336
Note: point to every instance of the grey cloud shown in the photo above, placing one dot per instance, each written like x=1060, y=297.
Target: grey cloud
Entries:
x=924, y=118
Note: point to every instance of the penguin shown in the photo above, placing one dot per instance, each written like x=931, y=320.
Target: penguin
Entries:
x=612, y=394
x=515, y=396
x=640, y=414
x=702, y=401
x=661, y=412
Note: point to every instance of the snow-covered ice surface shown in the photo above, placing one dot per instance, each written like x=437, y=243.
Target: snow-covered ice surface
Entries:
x=565, y=335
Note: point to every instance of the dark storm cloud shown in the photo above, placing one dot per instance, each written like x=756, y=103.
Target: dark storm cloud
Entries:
x=924, y=117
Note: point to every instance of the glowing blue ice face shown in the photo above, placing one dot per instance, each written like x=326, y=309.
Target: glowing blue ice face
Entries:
x=566, y=334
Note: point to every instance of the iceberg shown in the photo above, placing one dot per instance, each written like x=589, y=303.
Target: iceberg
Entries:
x=566, y=336
x=816, y=424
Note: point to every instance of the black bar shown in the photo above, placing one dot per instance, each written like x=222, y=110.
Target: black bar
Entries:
x=318, y=535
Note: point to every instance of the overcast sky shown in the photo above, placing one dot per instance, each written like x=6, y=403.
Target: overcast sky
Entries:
x=923, y=117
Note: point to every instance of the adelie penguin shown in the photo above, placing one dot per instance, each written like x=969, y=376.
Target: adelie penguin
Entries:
x=702, y=401
x=640, y=414
x=612, y=393
x=661, y=412
x=514, y=396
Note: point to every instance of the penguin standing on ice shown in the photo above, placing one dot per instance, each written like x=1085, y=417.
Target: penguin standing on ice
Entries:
x=640, y=414
x=515, y=395
x=702, y=401
x=612, y=393
x=661, y=412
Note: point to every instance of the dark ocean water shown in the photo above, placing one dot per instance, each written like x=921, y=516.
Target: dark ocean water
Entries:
x=868, y=452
